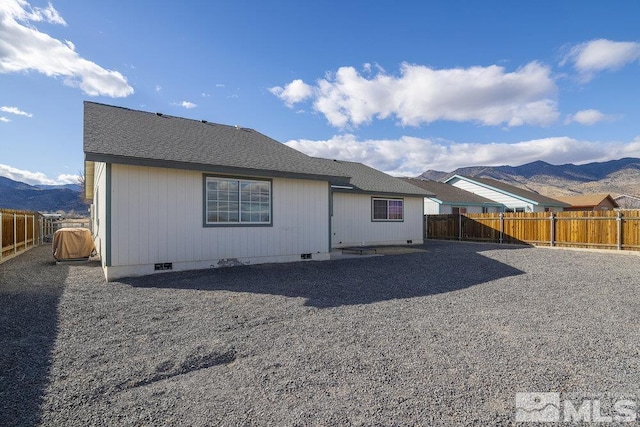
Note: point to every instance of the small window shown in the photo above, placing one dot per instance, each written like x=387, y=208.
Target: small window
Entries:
x=387, y=209
x=230, y=201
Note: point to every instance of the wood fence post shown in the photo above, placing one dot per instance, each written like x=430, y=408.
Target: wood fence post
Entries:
x=15, y=234
x=501, y=226
x=552, y=226
x=1, y=244
x=459, y=226
x=26, y=236
x=426, y=227
x=619, y=230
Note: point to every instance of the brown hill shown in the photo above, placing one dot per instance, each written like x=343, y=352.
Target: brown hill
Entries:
x=614, y=177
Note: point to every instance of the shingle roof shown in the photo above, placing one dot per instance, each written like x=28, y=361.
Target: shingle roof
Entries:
x=121, y=135
x=516, y=191
x=448, y=194
x=587, y=200
x=368, y=180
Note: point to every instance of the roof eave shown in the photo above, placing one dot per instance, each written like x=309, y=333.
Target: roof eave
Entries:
x=356, y=190
x=203, y=167
x=461, y=203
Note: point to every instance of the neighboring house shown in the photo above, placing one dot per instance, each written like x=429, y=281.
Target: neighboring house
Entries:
x=589, y=202
x=170, y=193
x=374, y=208
x=514, y=199
x=448, y=199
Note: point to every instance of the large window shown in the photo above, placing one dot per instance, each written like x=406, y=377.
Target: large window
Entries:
x=231, y=201
x=387, y=209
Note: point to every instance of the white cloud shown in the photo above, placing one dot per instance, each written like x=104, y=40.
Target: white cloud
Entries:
x=588, y=117
x=409, y=156
x=4, y=119
x=158, y=88
x=49, y=14
x=205, y=95
x=421, y=95
x=602, y=54
x=187, y=104
x=16, y=111
x=292, y=93
x=24, y=48
x=35, y=178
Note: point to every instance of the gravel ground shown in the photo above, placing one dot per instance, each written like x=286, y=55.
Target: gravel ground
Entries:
x=441, y=337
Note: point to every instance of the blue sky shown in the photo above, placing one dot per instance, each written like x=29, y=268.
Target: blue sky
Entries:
x=400, y=86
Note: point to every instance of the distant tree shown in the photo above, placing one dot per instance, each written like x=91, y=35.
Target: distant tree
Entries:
x=81, y=181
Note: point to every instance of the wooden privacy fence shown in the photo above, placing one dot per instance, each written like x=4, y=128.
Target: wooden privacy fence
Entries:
x=19, y=231
x=586, y=229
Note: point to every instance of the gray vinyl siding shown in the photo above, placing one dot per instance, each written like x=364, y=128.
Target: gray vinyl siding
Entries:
x=352, y=224
x=157, y=218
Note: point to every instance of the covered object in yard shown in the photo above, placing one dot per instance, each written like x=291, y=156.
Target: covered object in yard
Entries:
x=73, y=243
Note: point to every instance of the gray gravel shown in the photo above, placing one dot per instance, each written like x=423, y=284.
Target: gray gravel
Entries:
x=442, y=337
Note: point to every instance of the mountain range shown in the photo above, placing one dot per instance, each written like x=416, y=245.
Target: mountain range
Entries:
x=44, y=198
x=614, y=177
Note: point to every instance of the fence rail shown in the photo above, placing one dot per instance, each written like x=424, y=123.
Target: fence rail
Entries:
x=586, y=229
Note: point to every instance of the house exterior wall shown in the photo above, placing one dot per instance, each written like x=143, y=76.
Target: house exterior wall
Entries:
x=432, y=207
x=99, y=210
x=493, y=209
x=605, y=205
x=157, y=217
x=473, y=209
x=352, y=224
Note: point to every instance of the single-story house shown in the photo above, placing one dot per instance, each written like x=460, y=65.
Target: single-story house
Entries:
x=514, y=199
x=589, y=202
x=170, y=193
x=448, y=199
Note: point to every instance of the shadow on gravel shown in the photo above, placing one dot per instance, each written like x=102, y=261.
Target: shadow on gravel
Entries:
x=30, y=287
x=443, y=267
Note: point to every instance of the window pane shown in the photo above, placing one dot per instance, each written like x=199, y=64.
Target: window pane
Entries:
x=255, y=201
x=395, y=209
x=379, y=209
